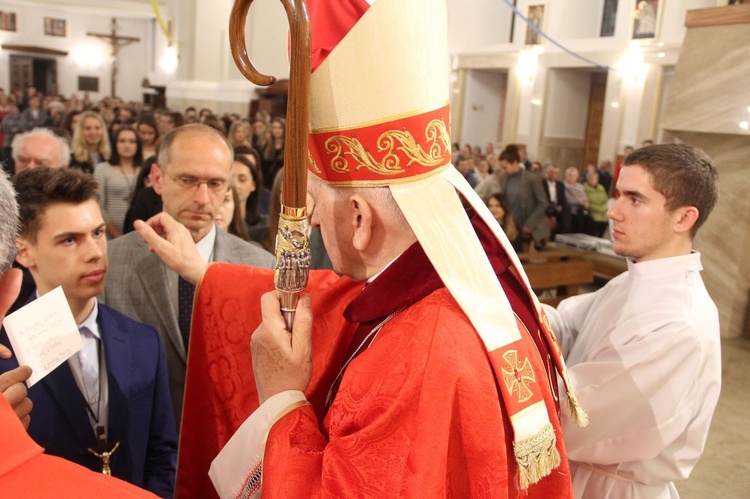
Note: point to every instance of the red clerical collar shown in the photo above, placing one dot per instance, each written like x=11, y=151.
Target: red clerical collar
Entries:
x=407, y=280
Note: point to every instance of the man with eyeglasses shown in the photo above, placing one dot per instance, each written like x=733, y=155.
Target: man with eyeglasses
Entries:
x=192, y=177
x=39, y=147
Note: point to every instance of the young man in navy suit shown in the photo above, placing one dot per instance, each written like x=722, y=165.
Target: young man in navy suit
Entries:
x=112, y=397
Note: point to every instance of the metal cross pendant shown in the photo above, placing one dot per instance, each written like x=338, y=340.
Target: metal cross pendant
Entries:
x=104, y=450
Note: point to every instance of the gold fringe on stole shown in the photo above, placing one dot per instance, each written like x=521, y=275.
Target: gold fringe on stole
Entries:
x=536, y=456
x=576, y=410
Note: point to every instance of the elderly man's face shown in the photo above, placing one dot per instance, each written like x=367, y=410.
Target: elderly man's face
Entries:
x=39, y=151
x=552, y=173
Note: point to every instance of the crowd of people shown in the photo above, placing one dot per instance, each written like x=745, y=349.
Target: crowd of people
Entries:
x=119, y=141
x=539, y=204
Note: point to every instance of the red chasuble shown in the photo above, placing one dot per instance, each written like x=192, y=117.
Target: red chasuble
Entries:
x=417, y=411
x=25, y=471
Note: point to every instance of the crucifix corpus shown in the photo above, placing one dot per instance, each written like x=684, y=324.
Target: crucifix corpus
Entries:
x=117, y=42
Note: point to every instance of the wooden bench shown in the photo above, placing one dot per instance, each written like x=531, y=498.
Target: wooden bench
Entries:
x=560, y=270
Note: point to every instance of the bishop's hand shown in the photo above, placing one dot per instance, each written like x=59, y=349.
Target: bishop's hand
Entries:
x=282, y=360
x=174, y=245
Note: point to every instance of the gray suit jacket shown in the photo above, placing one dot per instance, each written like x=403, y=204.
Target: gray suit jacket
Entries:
x=137, y=287
x=534, y=204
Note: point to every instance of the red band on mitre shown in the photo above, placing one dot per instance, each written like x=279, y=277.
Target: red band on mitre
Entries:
x=382, y=153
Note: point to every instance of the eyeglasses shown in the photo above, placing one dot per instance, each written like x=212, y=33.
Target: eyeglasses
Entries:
x=188, y=183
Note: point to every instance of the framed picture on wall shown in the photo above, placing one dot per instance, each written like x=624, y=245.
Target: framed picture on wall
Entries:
x=7, y=20
x=609, y=18
x=54, y=26
x=644, y=18
x=536, y=17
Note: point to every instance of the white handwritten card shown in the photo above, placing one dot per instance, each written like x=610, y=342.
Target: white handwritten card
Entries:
x=43, y=334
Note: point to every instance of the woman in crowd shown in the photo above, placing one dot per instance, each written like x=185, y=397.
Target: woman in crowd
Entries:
x=70, y=122
x=215, y=122
x=500, y=209
x=578, y=203
x=117, y=179
x=229, y=218
x=597, y=198
x=146, y=202
x=273, y=154
x=274, y=212
x=247, y=179
x=239, y=133
x=259, y=137
x=536, y=168
x=203, y=113
x=148, y=131
x=90, y=142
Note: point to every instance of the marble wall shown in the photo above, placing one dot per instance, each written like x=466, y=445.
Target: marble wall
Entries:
x=709, y=106
x=724, y=241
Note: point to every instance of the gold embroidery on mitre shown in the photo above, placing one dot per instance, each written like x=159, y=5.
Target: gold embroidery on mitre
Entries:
x=389, y=142
x=519, y=376
x=312, y=163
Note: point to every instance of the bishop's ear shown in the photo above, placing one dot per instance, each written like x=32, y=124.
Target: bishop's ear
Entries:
x=361, y=213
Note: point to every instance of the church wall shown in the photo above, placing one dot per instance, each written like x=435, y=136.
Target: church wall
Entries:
x=483, y=103
x=136, y=61
x=566, y=108
x=724, y=241
x=211, y=79
x=632, y=108
x=488, y=23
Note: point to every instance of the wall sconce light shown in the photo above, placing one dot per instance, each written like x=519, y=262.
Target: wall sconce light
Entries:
x=169, y=60
x=87, y=56
x=528, y=63
x=631, y=66
x=745, y=125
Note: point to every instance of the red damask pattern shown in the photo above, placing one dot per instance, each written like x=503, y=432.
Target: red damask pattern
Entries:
x=418, y=414
x=220, y=390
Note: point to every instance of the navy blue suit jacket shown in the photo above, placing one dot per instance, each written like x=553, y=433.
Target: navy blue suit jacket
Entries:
x=140, y=408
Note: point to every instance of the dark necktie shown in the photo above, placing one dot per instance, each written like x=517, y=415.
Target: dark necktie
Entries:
x=185, y=292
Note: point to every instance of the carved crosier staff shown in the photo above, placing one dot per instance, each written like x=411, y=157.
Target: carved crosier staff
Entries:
x=292, y=241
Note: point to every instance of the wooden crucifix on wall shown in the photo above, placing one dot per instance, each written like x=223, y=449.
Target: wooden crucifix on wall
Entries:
x=117, y=42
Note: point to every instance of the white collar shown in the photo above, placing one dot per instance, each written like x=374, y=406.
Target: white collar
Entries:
x=206, y=245
x=655, y=269
x=90, y=321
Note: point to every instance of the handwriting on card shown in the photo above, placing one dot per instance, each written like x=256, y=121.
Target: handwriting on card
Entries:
x=43, y=334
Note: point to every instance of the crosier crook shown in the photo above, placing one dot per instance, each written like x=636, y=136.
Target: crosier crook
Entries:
x=292, y=239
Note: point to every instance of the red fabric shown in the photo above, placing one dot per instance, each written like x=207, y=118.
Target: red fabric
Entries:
x=417, y=415
x=26, y=472
x=329, y=24
x=220, y=389
x=404, y=148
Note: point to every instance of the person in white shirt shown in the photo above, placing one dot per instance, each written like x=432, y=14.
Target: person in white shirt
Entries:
x=644, y=351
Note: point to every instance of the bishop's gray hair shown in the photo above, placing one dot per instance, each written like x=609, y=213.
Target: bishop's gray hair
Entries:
x=8, y=221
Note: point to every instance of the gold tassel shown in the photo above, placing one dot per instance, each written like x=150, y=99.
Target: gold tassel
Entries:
x=536, y=456
x=576, y=410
